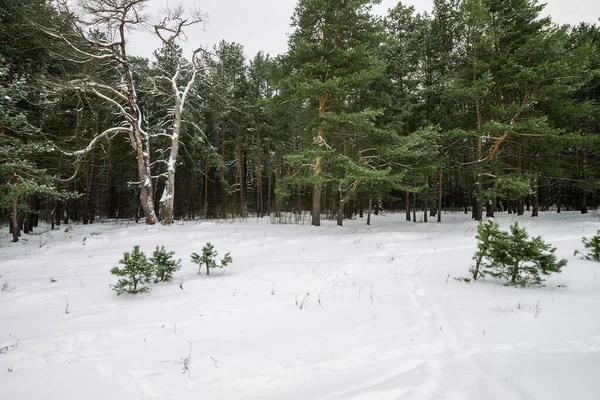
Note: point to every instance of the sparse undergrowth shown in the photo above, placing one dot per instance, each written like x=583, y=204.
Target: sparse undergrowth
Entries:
x=138, y=270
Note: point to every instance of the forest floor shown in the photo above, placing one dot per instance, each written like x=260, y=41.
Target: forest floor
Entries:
x=357, y=312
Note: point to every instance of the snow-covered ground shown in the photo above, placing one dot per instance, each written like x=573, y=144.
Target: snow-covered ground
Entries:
x=383, y=316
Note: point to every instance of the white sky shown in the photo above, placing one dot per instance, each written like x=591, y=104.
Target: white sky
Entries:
x=264, y=24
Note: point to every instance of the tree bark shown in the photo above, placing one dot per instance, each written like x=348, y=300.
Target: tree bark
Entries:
x=369, y=210
x=316, y=206
x=167, y=200
x=277, y=176
x=536, y=198
x=340, y=209
x=269, y=182
x=440, y=192
x=407, y=198
x=16, y=226
x=414, y=207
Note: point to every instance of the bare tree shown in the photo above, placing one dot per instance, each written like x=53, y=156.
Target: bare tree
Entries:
x=170, y=30
x=98, y=33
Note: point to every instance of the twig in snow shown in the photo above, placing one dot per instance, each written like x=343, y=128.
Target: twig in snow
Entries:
x=214, y=362
x=6, y=288
x=181, y=284
x=66, y=305
x=319, y=299
x=185, y=362
x=371, y=294
x=273, y=290
x=10, y=346
x=447, y=279
x=538, y=309
x=484, y=332
x=81, y=284
x=419, y=272
x=304, y=302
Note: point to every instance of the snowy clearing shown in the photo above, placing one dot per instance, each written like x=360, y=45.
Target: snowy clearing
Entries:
x=382, y=316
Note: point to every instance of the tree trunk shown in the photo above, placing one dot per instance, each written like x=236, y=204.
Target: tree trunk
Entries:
x=535, y=207
x=584, y=207
x=192, y=188
x=143, y=163
x=414, y=207
x=490, y=209
x=259, y=184
x=369, y=210
x=440, y=192
x=361, y=208
x=340, y=209
x=277, y=175
x=316, y=211
x=407, y=200
x=269, y=182
x=520, y=207
x=16, y=226
x=425, y=205
x=206, y=171
x=316, y=206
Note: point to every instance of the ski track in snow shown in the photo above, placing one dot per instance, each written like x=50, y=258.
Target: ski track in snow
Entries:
x=382, y=316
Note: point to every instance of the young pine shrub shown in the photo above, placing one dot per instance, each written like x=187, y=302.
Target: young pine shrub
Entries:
x=208, y=258
x=487, y=233
x=593, y=248
x=136, y=272
x=520, y=260
x=163, y=264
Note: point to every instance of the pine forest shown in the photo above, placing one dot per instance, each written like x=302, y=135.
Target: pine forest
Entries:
x=479, y=107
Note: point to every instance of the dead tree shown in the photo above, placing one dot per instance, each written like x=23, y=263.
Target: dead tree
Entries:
x=170, y=30
x=98, y=33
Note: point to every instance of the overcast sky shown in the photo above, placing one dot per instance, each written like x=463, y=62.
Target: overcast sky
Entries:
x=264, y=24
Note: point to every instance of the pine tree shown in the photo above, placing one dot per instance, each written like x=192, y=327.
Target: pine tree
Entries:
x=593, y=246
x=487, y=233
x=332, y=59
x=163, y=264
x=136, y=272
x=520, y=260
x=209, y=259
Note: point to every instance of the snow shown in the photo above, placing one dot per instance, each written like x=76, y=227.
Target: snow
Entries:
x=382, y=316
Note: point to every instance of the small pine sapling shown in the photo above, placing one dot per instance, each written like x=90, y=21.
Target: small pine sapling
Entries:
x=593, y=246
x=208, y=258
x=164, y=264
x=136, y=271
x=521, y=260
x=487, y=232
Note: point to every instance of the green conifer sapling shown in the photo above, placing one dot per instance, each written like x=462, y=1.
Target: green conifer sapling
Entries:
x=208, y=258
x=136, y=272
x=593, y=246
x=520, y=260
x=164, y=264
x=487, y=232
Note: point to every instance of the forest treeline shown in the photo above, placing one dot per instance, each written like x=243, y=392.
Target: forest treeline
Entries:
x=479, y=106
